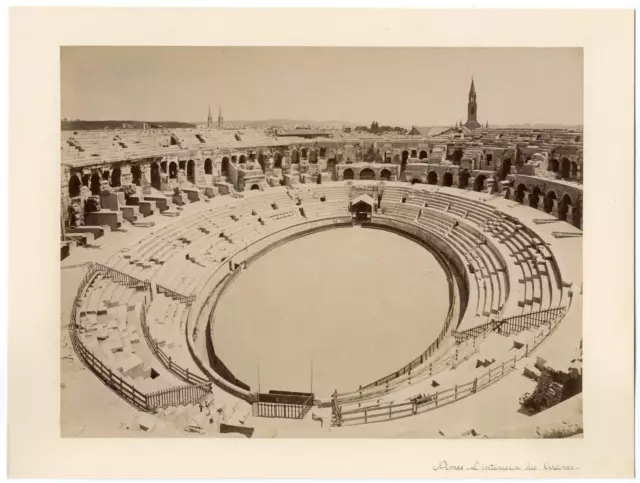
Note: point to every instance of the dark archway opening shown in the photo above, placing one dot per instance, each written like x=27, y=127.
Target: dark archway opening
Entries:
x=367, y=174
x=565, y=168
x=208, y=166
x=303, y=153
x=183, y=165
x=95, y=184
x=105, y=176
x=224, y=167
x=563, y=209
x=414, y=153
x=447, y=179
x=173, y=170
x=277, y=160
x=478, y=183
x=255, y=187
x=385, y=174
x=348, y=174
x=261, y=160
x=423, y=154
x=75, y=186
x=86, y=179
x=489, y=160
x=505, y=169
x=548, y=202
x=520, y=192
x=295, y=157
x=457, y=156
x=115, y=177
x=191, y=171
x=554, y=165
x=415, y=181
x=136, y=175
x=155, y=176
x=432, y=177
x=534, y=198
x=243, y=159
x=323, y=153
x=463, y=179
x=574, y=169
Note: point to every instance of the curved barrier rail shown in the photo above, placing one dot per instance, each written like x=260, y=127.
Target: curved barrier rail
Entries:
x=373, y=414
x=166, y=361
x=185, y=299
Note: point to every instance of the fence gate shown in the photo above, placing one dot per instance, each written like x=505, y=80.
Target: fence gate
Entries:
x=282, y=404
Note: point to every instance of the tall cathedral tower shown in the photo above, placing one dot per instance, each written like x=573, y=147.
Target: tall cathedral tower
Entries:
x=220, y=118
x=472, y=109
x=209, y=119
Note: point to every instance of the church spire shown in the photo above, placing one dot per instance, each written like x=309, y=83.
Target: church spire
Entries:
x=473, y=87
x=209, y=119
x=220, y=118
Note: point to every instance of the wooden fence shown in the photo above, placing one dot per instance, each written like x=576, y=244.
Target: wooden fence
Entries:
x=122, y=278
x=279, y=410
x=166, y=360
x=185, y=299
x=178, y=396
x=516, y=323
x=379, y=413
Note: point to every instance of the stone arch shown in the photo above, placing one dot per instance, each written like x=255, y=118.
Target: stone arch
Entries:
x=447, y=179
x=95, y=183
x=155, y=176
x=163, y=167
x=478, y=183
x=191, y=171
x=463, y=179
x=105, y=175
x=173, y=170
x=255, y=187
x=182, y=165
x=554, y=165
x=295, y=157
x=348, y=174
x=323, y=153
x=548, y=201
x=313, y=156
x=505, y=169
x=224, y=167
x=577, y=213
x=86, y=179
x=457, y=156
x=242, y=159
x=115, y=177
x=565, y=168
x=75, y=186
x=563, y=207
x=208, y=166
x=423, y=154
x=489, y=160
x=534, y=197
x=303, y=153
x=416, y=181
x=405, y=156
x=432, y=177
x=234, y=159
x=136, y=175
x=521, y=190
x=385, y=174
x=277, y=160
x=367, y=174
x=414, y=153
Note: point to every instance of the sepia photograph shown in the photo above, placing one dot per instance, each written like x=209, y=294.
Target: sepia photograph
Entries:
x=321, y=242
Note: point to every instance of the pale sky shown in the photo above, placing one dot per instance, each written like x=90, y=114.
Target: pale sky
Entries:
x=398, y=86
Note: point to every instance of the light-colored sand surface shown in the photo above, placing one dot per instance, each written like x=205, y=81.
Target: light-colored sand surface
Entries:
x=344, y=314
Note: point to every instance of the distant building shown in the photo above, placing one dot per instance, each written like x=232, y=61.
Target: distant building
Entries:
x=220, y=118
x=209, y=119
x=472, y=110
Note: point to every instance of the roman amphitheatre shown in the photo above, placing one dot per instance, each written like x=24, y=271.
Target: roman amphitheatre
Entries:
x=321, y=283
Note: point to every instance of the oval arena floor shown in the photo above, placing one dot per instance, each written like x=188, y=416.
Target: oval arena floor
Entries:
x=328, y=304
